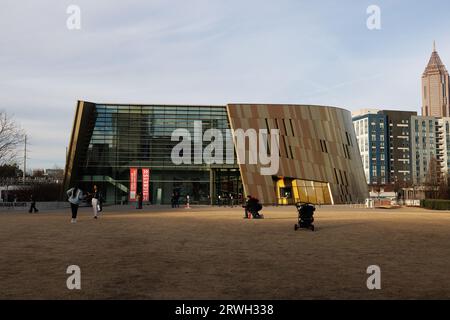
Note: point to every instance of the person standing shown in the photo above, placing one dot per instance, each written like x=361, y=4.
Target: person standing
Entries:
x=96, y=202
x=139, y=201
x=75, y=196
x=172, y=200
x=177, y=199
x=33, y=204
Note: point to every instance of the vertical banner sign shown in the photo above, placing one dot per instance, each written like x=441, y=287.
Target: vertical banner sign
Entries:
x=145, y=184
x=133, y=183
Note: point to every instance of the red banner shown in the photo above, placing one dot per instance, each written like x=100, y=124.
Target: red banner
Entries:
x=145, y=184
x=133, y=183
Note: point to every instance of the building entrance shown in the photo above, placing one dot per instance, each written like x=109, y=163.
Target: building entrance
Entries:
x=226, y=187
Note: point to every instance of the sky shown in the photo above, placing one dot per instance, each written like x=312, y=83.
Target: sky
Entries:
x=209, y=52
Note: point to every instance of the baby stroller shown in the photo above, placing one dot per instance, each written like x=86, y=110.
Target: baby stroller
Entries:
x=305, y=216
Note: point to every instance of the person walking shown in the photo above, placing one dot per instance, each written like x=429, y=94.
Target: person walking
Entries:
x=96, y=202
x=75, y=196
x=33, y=204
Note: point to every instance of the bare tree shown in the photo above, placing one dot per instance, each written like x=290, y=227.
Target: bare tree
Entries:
x=11, y=136
x=433, y=179
x=400, y=185
x=444, y=191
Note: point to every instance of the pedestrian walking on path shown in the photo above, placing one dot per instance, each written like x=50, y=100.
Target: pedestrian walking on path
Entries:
x=96, y=201
x=75, y=195
x=33, y=204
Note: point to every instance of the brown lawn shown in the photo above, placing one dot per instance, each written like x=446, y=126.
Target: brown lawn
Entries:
x=212, y=253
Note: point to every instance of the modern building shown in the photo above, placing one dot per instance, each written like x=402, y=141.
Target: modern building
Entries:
x=431, y=145
x=444, y=148
x=400, y=146
x=424, y=133
x=371, y=134
x=399, y=137
x=435, y=88
x=384, y=144
x=318, y=155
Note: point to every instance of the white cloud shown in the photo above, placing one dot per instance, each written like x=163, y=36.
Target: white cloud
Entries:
x=207, y=52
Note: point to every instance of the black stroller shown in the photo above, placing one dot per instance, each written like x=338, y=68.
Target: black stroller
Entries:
x=305, y=216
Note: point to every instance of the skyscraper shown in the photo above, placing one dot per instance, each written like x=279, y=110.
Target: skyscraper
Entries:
x=435, y=88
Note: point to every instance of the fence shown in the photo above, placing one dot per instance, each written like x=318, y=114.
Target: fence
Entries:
x=23, y=206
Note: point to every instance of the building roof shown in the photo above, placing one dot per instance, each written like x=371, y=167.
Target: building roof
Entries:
x=363, y=112
x=435, y=64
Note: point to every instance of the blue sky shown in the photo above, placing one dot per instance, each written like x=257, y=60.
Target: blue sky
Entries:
x=209, y=52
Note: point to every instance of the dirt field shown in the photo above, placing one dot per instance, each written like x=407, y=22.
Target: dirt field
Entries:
x=206, y=253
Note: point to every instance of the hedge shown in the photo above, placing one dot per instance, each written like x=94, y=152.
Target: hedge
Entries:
x=435, y=204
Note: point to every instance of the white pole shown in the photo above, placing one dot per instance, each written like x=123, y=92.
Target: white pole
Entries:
x=25, y=160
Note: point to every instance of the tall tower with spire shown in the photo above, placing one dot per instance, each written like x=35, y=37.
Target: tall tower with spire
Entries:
x=435, y=88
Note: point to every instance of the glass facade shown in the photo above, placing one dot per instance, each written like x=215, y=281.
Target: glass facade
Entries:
x=311, y=192
x=292, y=191
x=108, y=140
x=122, y=137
